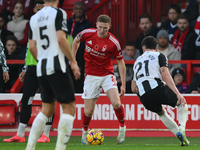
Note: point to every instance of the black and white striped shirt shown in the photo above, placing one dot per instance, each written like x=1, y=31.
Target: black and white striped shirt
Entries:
x=43, y=27
x=146, y=71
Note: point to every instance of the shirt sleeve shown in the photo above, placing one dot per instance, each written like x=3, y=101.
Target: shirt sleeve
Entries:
x=133, y=76
x=61, y=20
x=163, y=61
x=30, y=33
x=118, y=52
x=81, y=35
x=3, y=59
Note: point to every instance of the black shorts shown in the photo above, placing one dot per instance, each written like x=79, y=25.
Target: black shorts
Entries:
x=154, y=99
x=58, y=86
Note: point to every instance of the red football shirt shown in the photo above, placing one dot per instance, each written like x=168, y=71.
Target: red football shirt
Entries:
x=99, y=52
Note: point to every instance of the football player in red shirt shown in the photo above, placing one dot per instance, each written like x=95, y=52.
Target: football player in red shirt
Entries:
x=100, y=48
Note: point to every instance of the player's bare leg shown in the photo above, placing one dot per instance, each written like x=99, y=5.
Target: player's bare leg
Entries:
x=86, y=117
x=113, y=95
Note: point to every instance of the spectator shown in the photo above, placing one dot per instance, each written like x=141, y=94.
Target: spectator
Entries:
x=178, y=76
x=184, y=39
x=170, y=25
x=76, y=24
x=6, y=9
x=168, y=49
x=12, y=52
x=129, y=53
x=19, y=26
x=3, y=32
x=192, y=11
x=194, y=86
x=145, y=24
x=8, y=5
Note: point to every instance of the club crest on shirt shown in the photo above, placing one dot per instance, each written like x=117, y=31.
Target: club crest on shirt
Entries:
x=104, y=48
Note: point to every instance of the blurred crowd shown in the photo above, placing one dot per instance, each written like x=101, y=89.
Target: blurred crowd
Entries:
x=178, y=38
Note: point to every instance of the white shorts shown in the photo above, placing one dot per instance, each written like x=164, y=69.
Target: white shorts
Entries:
x=94, y=84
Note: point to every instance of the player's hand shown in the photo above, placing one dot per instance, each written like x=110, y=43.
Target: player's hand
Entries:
x=21, y=76
x=6, y=76
x=75, y=69
x=181, y=100
x=122, y=88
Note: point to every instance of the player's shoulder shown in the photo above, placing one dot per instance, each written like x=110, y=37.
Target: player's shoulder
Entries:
x=153, y=53
x=111, y=36
x=89, y=30
x=62, y=11
x=114, y=40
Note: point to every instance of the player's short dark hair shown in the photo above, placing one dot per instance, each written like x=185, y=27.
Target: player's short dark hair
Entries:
x=12, y=38
x=149, y=42
x=130, y=43
x=145, y=16
x=104, y=18
x=183, y=16
x=38, y=2
x=80, y=4
x=175, y=7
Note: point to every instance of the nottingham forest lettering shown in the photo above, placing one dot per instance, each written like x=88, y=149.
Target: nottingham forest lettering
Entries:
x=135, y=112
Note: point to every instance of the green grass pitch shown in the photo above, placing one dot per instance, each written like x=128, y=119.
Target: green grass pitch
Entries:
x=131, y=143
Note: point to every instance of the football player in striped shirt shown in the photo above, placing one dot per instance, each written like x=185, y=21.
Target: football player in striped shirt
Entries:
x=155, y=86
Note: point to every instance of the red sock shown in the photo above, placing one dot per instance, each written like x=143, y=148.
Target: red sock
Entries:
x=120, y=115
x=86, y=121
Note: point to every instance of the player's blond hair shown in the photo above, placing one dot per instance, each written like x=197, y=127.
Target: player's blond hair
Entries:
x=104, y=19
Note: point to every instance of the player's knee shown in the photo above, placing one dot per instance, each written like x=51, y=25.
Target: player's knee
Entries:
x=161, y=112
x=88, y=112
x=116, y=105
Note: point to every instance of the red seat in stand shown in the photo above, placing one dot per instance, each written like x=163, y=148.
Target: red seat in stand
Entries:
x=8, y=113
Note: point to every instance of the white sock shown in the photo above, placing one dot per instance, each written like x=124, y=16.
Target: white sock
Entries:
x=21, y=129
x=169, y=122
x=36, y=130
x=182, y=116
x=64, y=131
x=47, y=129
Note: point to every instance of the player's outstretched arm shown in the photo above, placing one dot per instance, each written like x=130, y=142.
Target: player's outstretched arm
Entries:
x=122, y=72
x=170, y=83
x=75, y=46
x=64, y=45
x=168, y=79
x=134, y=87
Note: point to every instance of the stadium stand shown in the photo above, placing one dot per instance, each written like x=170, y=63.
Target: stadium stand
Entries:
x=8, y=113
